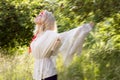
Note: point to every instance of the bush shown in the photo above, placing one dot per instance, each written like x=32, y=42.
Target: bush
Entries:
x=98, y=64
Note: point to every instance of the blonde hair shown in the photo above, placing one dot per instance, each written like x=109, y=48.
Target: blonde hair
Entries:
x=48, y=23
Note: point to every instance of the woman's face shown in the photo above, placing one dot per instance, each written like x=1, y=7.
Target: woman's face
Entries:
x=40, y=18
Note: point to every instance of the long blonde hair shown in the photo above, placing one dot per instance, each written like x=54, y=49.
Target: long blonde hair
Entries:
x=48, y=23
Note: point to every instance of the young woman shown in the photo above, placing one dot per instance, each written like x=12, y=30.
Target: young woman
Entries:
x=47, y=43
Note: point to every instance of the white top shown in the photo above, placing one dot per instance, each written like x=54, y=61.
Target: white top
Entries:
x=71, y=43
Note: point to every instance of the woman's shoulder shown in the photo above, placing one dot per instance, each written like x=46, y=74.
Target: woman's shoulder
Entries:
x=50, y=32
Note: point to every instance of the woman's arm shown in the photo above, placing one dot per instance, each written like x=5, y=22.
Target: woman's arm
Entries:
x=72, y=41
x=56, y=45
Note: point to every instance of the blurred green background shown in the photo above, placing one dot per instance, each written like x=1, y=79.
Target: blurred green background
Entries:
x=100, y=58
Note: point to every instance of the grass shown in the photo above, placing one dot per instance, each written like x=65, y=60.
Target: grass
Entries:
x=16, y=68
x=100, y=65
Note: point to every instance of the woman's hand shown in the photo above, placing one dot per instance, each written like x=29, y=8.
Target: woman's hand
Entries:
x=56, y=44
x=92, y=24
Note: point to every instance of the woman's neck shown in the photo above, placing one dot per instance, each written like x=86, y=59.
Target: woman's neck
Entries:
x=39, y=29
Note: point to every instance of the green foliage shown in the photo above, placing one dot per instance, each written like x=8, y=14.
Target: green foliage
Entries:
x=91, y=65
x=100, y=57
x=15, y=25
x=107, y=62
x=16, y=67
x=16, y=22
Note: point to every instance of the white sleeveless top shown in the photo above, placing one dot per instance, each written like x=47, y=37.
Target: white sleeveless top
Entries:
x=71, y=43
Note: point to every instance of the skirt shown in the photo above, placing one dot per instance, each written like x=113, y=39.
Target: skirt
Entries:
x=51, y=78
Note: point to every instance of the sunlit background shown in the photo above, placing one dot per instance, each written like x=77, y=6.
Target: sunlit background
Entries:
x=100, y=57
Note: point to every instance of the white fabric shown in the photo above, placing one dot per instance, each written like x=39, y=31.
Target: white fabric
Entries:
x=44, y=68
x=41, y=50
x=71, y=43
